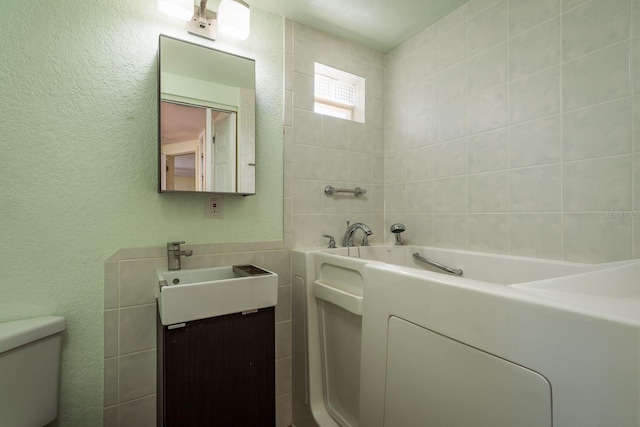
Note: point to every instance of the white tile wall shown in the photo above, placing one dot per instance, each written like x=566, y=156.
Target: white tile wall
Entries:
x=595, y=25
x=526, y=14
x=329, y=151
x=487, y=29
x=518, y=126
x=596, y=131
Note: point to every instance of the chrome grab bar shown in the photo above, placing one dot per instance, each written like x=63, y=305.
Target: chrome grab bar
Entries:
x=330, y=191
x=456, y=271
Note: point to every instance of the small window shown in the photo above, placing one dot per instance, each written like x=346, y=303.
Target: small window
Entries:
x=338, y=93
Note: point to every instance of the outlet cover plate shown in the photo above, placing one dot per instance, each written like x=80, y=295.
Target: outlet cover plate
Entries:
x=213, y=207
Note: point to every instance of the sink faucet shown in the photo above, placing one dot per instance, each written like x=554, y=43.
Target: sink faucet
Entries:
x=347, y=240
x=174, y=253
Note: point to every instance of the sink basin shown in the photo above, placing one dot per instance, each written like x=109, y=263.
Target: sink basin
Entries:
x=186, y=295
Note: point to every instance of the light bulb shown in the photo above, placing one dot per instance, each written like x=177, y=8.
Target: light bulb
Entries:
x=234, y=19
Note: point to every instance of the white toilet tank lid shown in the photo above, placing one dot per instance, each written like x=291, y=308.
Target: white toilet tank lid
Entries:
x=19, y=332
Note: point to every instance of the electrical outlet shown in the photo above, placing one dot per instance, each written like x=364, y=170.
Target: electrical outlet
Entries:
x=213, y=207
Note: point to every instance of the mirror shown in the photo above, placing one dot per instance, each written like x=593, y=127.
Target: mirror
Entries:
x=206, y=123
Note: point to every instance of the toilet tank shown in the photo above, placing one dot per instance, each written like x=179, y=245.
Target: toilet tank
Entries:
x=30, y=371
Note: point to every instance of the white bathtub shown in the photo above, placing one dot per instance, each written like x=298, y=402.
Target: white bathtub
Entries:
x=560, y=346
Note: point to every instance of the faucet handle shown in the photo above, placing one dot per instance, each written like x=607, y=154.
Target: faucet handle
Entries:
x=332, y=241
x=174, y=245
x=398, y=229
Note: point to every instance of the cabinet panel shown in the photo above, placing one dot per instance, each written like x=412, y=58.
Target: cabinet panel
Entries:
x=218, y=372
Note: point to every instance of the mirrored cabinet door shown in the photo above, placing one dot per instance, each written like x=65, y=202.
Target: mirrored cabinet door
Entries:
x=206, y=120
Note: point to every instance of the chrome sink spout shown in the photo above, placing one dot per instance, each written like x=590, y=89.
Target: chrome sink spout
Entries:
x=174, y=253
x=347, y=240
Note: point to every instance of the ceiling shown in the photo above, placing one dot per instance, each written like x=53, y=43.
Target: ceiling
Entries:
x=378, y=24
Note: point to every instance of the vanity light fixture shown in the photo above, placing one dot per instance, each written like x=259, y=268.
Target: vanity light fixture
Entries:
x=234, y=18
x=204, y=22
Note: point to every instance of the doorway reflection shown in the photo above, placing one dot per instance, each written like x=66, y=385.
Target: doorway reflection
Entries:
x=198, y=148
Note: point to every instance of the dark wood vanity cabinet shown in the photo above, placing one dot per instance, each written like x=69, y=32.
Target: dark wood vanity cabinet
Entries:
x=218, y=372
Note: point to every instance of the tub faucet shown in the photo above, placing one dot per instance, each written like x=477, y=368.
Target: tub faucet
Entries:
x=347, y=240
x=332, y=241
x=174, y=253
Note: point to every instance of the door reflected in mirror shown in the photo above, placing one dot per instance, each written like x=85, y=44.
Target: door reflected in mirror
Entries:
x=206, y=120
x=197, y=148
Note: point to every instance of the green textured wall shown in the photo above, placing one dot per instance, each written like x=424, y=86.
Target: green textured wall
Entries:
x=78, y=85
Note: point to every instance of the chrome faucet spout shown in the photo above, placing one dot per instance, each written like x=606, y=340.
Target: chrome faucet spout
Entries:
x=174, y=253
x=347, y=239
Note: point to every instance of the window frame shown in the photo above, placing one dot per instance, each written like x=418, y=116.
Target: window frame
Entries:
x=333, y=107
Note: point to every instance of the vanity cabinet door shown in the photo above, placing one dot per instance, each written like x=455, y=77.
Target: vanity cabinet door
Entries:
x=218, y=372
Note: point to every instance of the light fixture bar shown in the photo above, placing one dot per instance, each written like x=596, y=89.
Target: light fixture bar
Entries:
x=204, y=22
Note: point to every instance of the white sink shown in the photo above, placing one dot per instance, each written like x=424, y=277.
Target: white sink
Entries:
x=186, y=295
